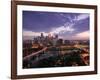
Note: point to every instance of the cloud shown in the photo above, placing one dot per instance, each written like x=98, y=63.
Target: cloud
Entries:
x=83, y=35
x=81, y=17
x=59, y=30
x=76, y=17
x=79, y=36
x=31, y=33
x=63, y=29
x=69, y=26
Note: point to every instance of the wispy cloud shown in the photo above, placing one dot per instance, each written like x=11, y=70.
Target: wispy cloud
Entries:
x=76, y=17
x=63, y=29
x=31, y=33
x=69, y=26
x=81, y=17
x=83, y=35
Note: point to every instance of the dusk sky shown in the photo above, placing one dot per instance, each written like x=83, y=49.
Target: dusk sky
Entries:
x=70, y=26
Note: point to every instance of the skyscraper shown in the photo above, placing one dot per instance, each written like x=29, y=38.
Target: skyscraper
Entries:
x=42, y=35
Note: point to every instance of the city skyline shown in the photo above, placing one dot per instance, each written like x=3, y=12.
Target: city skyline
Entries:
x=72, y=26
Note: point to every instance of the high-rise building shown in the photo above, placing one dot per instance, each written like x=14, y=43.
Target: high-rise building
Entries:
x=42, y=35
x=55, y=39
x=59, y=42
x=56, y=36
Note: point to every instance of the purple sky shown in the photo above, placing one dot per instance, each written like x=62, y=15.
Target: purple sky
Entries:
x=71, y=26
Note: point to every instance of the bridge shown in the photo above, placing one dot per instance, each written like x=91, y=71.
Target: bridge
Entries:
x=33, y=54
